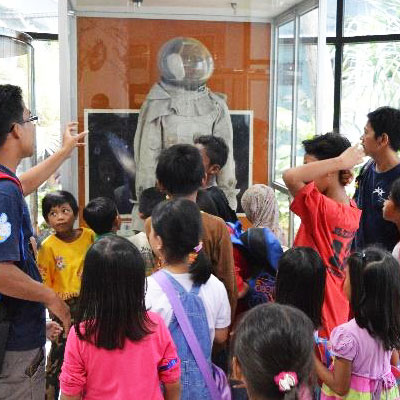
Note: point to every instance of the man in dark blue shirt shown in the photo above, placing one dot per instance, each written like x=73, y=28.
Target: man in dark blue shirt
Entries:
x=22, y=295
x=381, y=141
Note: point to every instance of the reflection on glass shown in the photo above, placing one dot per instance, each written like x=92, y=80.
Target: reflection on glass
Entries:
x=327, y=98
x=371, y=17
x=30, y=16
x=370, y=79
x=283, y=204
x=284, y=99
x=48, y=110
x=306, y=80
x=16, y=66
x=296, y=225
x=331, y=8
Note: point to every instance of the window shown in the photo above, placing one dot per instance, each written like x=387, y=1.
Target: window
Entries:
x=296, y=65
x=35, y=68
x=360, y=70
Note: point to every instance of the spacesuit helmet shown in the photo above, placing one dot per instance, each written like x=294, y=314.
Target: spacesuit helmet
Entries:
x=185, y=62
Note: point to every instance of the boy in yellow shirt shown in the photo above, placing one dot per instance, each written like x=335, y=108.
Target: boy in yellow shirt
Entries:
x=60, y=260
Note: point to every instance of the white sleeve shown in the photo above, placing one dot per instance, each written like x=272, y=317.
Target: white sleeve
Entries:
x=157, y=301
x=223, y=319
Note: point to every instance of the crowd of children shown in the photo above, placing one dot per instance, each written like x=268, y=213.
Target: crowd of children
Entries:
x=152, y=313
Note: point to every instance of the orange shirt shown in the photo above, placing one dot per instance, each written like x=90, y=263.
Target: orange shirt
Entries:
x=329, y=228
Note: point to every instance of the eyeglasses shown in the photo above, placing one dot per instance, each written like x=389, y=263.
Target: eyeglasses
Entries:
x=33, y=118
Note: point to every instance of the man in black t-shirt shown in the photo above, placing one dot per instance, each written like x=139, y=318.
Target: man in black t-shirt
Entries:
x=22, y=295
x=381, y=141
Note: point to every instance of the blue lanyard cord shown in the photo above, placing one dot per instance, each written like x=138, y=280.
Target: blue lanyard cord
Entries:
x=324, y=342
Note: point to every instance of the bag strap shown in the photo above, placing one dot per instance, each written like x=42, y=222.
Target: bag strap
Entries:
x=186, y=327
x=3, y=175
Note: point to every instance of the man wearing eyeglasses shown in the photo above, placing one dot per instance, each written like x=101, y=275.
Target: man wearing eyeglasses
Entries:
x=23, y=297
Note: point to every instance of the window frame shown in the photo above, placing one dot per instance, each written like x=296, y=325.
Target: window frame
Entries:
x=292, y=15
x=339, y=41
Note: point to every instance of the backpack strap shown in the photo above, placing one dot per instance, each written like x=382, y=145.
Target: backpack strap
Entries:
x=359, y=180
x=3, y=175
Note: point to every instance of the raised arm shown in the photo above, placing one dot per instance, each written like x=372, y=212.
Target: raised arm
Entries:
x=38, y=174
x=296, y=178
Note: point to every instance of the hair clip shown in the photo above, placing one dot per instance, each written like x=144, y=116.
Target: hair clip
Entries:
x=198, y=247
x=192, y=257
x=286, y=380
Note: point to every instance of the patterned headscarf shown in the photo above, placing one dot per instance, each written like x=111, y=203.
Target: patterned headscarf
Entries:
x=261, y=208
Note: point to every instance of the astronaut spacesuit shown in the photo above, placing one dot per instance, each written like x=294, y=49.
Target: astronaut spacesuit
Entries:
x=180, y=108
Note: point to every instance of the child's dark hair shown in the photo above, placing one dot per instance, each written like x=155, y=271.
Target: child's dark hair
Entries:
x=395, y=193
x=215, y=147
x=375, y=294
x=256, y=250
x=301, y=282
x=111, y=304
x=326, y=146
x=270, y=339
x=100, y=214
x=57, y=198
x=386, y=120
x=178, y=222
x=11, y=109
x=148, y=199
x=180, y=169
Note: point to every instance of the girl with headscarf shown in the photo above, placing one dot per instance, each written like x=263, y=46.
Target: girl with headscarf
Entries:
x=261, y=209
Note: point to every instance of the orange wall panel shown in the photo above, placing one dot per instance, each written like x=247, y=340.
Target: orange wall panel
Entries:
x=117, y=66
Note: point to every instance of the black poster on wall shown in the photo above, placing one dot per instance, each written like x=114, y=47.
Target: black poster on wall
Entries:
x=109, y=154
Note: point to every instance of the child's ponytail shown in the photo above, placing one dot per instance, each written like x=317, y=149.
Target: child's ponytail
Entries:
x=291, y=394
x=287, y=383
x=178, y=222
x=200, y=266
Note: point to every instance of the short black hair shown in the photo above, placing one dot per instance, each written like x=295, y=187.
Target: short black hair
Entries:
x=216, y=149
x=375, y=294
x=111, y=303
x=386, y=120
x=395, y=193
x=301, y=282
x=11, y=109
x=100, y=214
x=179, y=224
x=180, y=169
x=272, y=338
x=326, y=146
x=57, y=198
x=148, y=199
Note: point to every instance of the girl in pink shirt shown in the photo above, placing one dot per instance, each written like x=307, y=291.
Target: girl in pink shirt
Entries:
x=116, y=349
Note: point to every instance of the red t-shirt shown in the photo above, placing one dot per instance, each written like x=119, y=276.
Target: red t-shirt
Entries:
x=329, y=228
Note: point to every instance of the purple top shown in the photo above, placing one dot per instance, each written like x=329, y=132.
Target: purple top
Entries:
x=370, y=359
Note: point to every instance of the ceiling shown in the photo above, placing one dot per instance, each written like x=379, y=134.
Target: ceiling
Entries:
x=265, y=9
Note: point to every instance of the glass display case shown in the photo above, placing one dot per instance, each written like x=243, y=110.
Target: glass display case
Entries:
x=17, y=68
